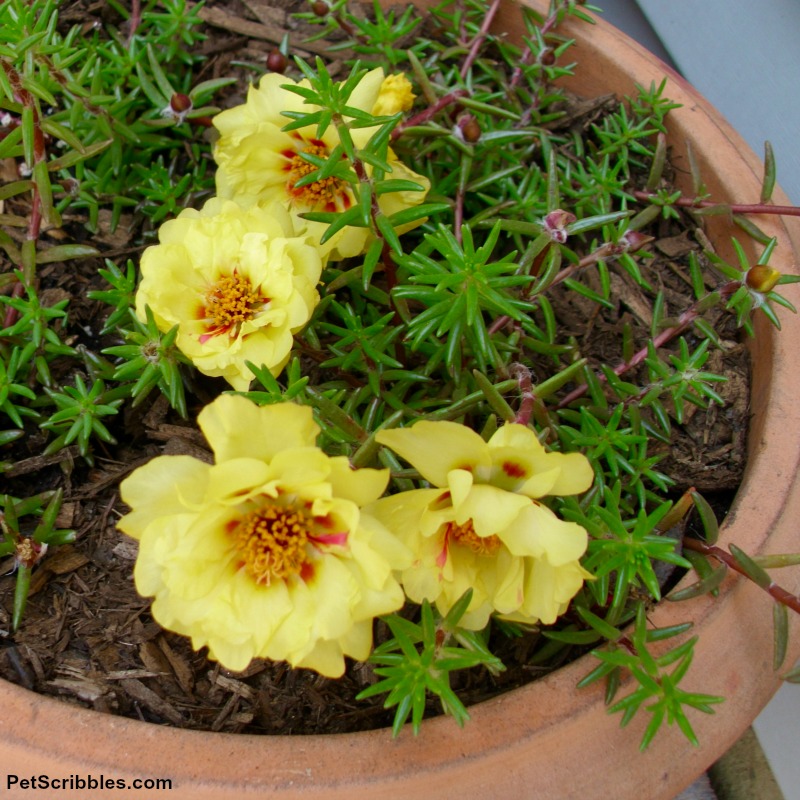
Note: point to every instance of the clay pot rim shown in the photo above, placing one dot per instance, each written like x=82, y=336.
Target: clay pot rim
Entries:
x=510, y=729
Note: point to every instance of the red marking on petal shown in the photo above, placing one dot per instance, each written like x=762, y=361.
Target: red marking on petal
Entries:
x=514, y=470
x=442, y=501
x=288, y=153
x=317, y=142
x=307, y=572
x=339, y=539
x=231, y=525
x=441, y=559
x=205, y=337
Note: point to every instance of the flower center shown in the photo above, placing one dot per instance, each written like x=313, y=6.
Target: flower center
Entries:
x=465, y=535
x=272, y=542
x=327, y=193
x=229, y=303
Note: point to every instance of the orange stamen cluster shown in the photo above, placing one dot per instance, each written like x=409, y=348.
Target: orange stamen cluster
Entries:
x=230, y=302
x=272, y=542
x=465, y=535
x=327, y=194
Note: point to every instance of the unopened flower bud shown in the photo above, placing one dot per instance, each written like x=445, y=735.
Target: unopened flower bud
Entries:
x=395, y=95
x=555, y=223
x=180, y=103
x=70, y=186
x=547, y=57
x=470, y=129
x=276, y=61
x=320, y=8
x=762, y=278
x=178, y=107
x=634, y=240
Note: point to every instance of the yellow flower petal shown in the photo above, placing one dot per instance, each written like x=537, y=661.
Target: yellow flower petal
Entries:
x=549, y=589
x=362, y=486
x=258, y=163
x=538, y=532
x=523, y=465
x=237, y=428
x=575, y=473
x=484, y=532
x=164, y=486
x=437, y=448
x=491, y=509
x=257, y=556
x=395, y=95
x=238, y=283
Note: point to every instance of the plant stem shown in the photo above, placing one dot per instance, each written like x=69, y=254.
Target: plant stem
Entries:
x=527, y=55
x=523, y=376
x=684, y=321
x=776, y=592
x=431, y=111
x=479, y=39
x=136, y=18
x=735, y=208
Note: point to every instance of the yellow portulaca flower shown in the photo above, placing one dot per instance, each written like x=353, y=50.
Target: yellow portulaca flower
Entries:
x=260, y=163
x=395, y=95
x=238, y=282
x=481, y=527
x=266, y=553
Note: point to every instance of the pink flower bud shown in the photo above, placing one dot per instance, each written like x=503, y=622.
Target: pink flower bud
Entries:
x=555, y=223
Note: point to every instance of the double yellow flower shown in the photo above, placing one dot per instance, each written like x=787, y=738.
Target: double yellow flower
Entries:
x=239, y=276
x=280, y=551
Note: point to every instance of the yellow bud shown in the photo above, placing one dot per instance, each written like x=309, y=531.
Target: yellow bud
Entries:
x=762, y=278
x=394, y=95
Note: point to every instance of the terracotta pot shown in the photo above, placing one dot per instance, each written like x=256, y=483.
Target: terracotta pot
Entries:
x=547, y=739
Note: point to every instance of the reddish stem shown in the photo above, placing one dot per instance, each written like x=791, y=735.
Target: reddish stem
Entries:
x=523, y=376
x=12, y=315
x=735, y=208
x=135, y=20
x=777, y=593
x=547, y=26
x=604, y=251
x=684, y=321
x=480, y=38
x=430, y=112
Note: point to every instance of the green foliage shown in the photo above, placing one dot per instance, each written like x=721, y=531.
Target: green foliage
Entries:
x=150, y=359
x=78, y=415
x=419, y=659
x=84, y=118
x=26, y=542
x=101, y=97
x=622, y=551
x=658, y=688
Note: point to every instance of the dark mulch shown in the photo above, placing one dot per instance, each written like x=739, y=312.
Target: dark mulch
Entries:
x=88, y=638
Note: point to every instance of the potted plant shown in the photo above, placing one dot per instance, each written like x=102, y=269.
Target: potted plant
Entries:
x=547, y=734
